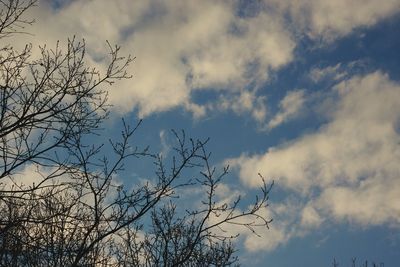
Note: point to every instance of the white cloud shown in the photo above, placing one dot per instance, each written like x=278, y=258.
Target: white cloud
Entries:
x=373, y=202
x=183, y=46
x=165, y=146
x=32, y=175
x=245, y=102
x=332, y=19
x=338, y=72
x=280, y=231
x=352, y=160
x=180, y=46
x=28, y=176
x=333, y=72
x=310, y=217
x=289, y=108
x=268, y=239
x=226, y=194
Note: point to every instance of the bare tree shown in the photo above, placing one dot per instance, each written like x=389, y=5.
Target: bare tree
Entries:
x=354, y=263
x=75, y=213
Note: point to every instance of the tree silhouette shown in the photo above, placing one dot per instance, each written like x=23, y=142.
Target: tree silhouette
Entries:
x=60, y=202
x=363, y=264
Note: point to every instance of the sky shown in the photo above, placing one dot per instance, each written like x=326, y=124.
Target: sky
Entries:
x=305, y=92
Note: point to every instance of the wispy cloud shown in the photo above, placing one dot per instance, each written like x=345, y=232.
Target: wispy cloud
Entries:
x=245, y=102
x=330, y=72
x=333, y=19
x=183, y=46
x=352, y=161
x=289, y=107
x=177, y=50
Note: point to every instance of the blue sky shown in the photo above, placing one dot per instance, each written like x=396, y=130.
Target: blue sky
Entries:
x=305, y=92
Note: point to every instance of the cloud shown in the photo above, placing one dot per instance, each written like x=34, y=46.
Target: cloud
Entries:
x=338, y=72
x=30, y=175
x=373, y=202
x=180, y=47
x=165, y=145
x=184, y=46
x=310, y=217
x=347, y=171
x=289, y=108
x=27, y=176
x=245, y=102
x=268, y=239
x=333, y=19
x=333, y=72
